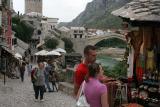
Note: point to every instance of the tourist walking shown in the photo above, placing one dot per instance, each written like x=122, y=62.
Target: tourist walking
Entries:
x=33, y=77
x=22, y=71
x=40, y=81
x=48, y=70
x=29, y=68
x=53, y=80
x=94, y=90
x=17, y=69
x=82, y=68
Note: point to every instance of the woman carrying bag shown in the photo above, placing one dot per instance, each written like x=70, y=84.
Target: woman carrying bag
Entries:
x=93, y=90
x=39, y=83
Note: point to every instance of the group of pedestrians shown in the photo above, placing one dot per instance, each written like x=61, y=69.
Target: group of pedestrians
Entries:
x=88, y=74
x=41, y=76
x=87, y=79
x=50, y=77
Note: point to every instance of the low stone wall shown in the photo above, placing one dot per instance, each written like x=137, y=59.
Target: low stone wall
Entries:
x=66, y=87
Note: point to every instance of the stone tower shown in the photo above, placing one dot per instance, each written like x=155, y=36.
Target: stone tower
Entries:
x=33, y=6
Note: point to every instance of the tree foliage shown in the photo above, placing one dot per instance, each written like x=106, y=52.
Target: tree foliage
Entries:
x=21, y=29
x=68, y=44
x=51, y=43
x=119, y=70
x=113, y=42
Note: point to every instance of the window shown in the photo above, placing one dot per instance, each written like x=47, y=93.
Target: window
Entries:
x=80, y=35
x=75, y=31
x=75, y=36
x=80, y=31
x=14, y=41
x=31, y=22
x=39, y=32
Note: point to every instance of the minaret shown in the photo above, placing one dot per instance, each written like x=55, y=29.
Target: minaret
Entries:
x=33, y=6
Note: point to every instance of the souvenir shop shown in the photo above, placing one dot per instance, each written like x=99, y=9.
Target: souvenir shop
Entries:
x=144, y=65
x=8, y=62
x=143, y=39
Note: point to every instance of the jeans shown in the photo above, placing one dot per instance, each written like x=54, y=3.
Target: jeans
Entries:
x=54, y=85
x=22, y=75
x=34, y=87
x=39, y=90
x=47, y=83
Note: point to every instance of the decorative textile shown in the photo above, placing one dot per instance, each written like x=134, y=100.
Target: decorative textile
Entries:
x=150, y=60
x=142, y=60
x=139, y=73
x=111, y=90
x=130, y=63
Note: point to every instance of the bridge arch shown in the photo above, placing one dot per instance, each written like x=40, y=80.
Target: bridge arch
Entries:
x=95, y=40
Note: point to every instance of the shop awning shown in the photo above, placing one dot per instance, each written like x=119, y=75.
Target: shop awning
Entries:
x=60, y=50
x=41, y=53
x=20, y=50
x=8, y=50
x=17, y=55
x=53, y=53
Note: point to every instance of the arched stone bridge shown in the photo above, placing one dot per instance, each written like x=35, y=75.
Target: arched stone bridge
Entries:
x=79, y=44
x=94, y=40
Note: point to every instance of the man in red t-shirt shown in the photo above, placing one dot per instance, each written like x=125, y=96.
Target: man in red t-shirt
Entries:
x=82, y=69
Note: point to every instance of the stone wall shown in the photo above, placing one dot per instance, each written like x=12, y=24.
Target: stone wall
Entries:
x=33, y=6
x=79, y=45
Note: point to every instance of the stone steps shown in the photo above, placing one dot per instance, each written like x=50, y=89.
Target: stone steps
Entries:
x=66, y=87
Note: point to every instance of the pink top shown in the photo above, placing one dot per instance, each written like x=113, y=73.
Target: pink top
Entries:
x=93, y=90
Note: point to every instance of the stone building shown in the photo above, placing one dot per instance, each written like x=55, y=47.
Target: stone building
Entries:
x=78, y=32
x=65, y=32
x=78, y=37
x=6, y=35
x=33, y=6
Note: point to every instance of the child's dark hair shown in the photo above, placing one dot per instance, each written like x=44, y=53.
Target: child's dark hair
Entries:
x=94, y=69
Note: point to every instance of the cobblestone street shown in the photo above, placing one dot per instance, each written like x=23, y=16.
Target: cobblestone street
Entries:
x=18, y=94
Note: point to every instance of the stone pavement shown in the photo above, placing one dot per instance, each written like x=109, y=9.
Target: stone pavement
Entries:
x=18, y=94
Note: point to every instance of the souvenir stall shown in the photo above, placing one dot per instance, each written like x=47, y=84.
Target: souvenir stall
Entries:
x=8, y=61
x=144, y=50
x=72, y=59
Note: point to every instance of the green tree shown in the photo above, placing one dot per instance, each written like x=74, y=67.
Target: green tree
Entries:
x=51, y=43
x=68, y=45
x=119, y=70
x=113, y=42
x=21, y=29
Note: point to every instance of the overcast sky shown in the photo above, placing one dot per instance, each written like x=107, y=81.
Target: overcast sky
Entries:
x=65, y=10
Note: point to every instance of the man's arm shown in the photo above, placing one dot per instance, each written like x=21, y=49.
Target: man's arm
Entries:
x=76, y=88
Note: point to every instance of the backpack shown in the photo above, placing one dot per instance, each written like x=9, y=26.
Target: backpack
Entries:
x=34, y=75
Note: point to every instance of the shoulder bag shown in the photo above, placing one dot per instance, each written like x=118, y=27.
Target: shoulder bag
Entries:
x=82, y=102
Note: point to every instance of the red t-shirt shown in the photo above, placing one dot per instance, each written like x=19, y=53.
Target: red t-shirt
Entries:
x=80, y=73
